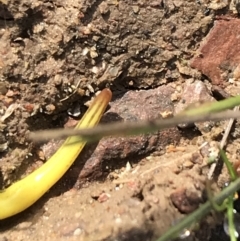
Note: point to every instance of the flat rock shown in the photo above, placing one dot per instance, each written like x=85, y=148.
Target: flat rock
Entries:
x=132, y=106
x=218, y=56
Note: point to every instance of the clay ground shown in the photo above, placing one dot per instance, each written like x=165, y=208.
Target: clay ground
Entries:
x=156, y=59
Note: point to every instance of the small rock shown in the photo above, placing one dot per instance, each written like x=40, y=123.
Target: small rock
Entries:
x=104, y=8
x=11, y=93
x=152, y=199
x=114, y=71
x=217, y=5
x=194, y=93
x=70, y=123
x=41, y=155
x=185, y=202
x=135, y=9
x=24, y=225
x=196, y=158
x=187, y=164
x=68, y=229
x=77, y=232
x=7, y=101
x=49, y=109
x=57, y=80
x=103, y=197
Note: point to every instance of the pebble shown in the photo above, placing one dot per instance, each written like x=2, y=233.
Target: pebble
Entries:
x=24, y=225
x=50, y=108
x=77, y=232
x=135, y=9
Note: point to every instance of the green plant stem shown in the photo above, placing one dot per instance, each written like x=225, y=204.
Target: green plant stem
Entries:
x=230, y=200
x=201, y=212
x=213, y=107
x=231, y=170
x=217, y=207
x=230, y=216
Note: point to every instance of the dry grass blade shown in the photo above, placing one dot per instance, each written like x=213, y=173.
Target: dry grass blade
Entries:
x=131, y=128
x=222, y=144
